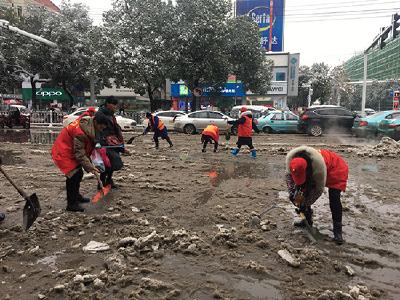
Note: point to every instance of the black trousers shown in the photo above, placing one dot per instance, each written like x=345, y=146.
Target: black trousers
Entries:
x=156, y=141
x=245, y=141
x=106, y=177
x=73, y=184
x=205, y=139
x=335, y=205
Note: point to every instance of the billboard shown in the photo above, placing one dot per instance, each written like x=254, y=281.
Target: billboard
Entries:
x=229, y=90
x=47, y=94
x=259, y=11
x=293, y=80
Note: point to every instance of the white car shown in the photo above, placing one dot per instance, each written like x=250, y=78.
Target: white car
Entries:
x=125, y=123
x=198, y=120
x=167, y=117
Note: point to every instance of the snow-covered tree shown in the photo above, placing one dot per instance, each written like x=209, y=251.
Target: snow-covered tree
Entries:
x=142, y=47
x=320, y=82
x=247, y=59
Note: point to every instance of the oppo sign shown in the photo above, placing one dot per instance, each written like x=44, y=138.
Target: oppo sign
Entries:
x=48, y=93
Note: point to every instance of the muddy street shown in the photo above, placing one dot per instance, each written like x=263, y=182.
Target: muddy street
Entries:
x=179, y=226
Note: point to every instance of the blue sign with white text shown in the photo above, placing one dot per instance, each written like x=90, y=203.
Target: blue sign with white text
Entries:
x=259, y=12
x=229, y=90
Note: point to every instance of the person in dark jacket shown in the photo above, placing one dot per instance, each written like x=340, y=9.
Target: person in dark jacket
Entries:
x=246, y=125
x=159, y=129
x=308, y=172
x=111, y=136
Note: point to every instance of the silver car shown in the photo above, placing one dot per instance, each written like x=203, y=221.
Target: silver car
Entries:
x=198, y=120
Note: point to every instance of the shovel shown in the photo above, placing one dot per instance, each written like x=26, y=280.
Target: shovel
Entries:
x=104, y=190
x=32, y=206
x=311, y=231
x=133, y=138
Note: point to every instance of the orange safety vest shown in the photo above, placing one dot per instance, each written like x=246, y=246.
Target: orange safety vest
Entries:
x=212, y=131
x=246, y=129
x=161, y=125
x=62, y=151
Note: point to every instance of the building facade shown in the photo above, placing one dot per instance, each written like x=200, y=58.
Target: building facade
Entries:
x=284, y=83
x=20, y=6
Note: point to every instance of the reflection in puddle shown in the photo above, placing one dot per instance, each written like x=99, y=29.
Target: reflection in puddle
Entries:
x=236, y=170
x=28, y=136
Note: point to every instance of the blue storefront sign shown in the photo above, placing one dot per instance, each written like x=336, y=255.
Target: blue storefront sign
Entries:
x=229, y=90
x=259, y=12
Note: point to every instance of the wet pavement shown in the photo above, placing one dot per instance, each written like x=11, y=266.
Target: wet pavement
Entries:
x=210, y=198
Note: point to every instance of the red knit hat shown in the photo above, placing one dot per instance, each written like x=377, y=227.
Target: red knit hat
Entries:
x=243, y=109
x=298, y=168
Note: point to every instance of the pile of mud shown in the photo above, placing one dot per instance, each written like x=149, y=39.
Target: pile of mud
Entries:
x=386, y=148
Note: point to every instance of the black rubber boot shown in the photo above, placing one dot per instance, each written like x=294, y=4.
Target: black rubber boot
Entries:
x=82, y=199
x=301, y=223
x=337, y=233
x=169, y=142
x=74, y=207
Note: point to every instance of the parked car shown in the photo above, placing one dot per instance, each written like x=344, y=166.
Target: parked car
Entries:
x=367, y=112
x=17, y=115
x=257, y=110
x=125, y=123
x=368, y=126
x=168, y=117
x=316, y=121
x=198, y=120
x=390, y=127
x=278, y=121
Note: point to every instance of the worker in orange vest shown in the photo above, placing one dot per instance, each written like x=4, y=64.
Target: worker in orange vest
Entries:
x=159, y=129
x=71, y=152
x=246, y=125
x=210, y=135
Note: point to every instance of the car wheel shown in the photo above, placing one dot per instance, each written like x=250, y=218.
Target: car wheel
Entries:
x=189, y=129
x=267, y=129
x=315, y=130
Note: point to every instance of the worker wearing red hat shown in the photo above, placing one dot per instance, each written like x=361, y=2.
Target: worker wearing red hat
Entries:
x=309, y=171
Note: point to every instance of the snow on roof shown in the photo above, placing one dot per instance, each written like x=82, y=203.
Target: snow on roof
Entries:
x=49, y=4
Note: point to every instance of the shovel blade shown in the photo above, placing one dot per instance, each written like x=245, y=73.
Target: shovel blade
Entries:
x=31, y=211
x=101, y=194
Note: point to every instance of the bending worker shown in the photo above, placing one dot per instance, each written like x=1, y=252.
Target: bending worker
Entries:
x=159, y=129
x=309, y=171
x=210, y=134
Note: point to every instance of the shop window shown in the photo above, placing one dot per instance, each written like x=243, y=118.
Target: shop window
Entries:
x=280, y=76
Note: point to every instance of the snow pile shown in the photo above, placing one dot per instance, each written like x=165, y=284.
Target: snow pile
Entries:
x=386, y=148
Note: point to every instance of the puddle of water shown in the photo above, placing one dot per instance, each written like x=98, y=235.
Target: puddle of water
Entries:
x=257, y=289
x=243, y=169
x=28, y=136
x=370, y=168
x=245, y=286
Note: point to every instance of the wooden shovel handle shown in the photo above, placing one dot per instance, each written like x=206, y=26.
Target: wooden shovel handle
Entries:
x=20, y=191
x=98, y=179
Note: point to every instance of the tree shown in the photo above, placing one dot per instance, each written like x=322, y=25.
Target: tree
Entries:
x=71, y=64
x=248, y=60
x=341, y=88
x=204, y=58
x=142, y=42
x=320, y=82
x=304, y=79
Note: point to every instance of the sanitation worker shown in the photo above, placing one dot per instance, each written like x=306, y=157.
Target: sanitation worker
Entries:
x=308, y=172
x=71, y=152
x=111, y=136
x=210, y=135
x=159, y=129
x=246, y=125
